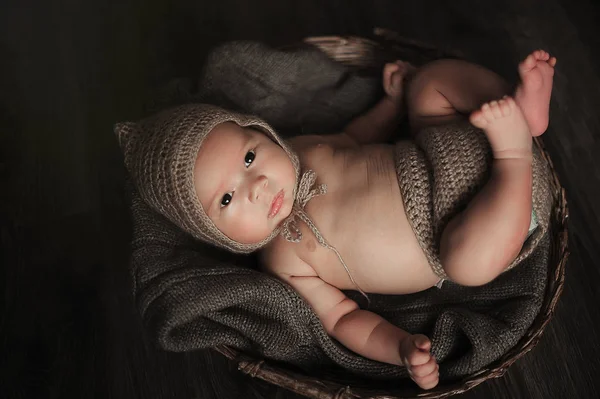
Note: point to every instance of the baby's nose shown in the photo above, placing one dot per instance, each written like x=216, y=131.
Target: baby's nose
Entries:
x=257, y=189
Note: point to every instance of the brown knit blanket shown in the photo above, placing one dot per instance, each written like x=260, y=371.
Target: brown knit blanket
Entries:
x=193, y=296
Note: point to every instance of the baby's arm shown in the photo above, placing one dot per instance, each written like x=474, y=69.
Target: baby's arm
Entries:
x=367, y=333
x=361, y=331
x=379, y=123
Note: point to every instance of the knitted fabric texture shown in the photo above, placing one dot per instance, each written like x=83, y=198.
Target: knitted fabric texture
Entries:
x=160, y=153
x=439, y=174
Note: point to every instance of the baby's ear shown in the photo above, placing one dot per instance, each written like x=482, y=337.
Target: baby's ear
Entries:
x=126, y=131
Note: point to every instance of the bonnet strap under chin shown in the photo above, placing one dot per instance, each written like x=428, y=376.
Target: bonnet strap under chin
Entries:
x=290, y=230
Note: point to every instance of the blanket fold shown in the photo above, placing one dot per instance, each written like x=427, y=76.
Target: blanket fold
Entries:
x=193, y=296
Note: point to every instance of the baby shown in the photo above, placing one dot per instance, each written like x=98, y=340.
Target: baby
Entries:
x=328, y=212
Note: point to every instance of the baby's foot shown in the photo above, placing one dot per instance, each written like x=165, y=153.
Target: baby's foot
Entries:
x=505, y=127
x=533, y=94
x=394, y=74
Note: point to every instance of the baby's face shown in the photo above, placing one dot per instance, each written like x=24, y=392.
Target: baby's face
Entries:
x=244, y=181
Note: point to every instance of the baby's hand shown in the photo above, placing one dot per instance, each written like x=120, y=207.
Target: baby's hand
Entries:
x=393, y=78
x=421, y=366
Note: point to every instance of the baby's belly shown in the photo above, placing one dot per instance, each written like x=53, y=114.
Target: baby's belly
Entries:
x=364, y=219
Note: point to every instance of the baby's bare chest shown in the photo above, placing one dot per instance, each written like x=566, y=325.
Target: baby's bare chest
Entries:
x=362, y=192
x=362, y=216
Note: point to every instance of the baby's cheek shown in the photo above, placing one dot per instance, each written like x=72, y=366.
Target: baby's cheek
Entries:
x=251, y=229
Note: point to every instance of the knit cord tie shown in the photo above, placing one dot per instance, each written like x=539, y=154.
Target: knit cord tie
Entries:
x=290, y=229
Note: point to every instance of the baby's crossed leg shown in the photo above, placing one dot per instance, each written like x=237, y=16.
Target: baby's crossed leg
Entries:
x=482, y=241
x=448, y=90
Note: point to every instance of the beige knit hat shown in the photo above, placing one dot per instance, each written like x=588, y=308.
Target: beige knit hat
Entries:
x=160, y=153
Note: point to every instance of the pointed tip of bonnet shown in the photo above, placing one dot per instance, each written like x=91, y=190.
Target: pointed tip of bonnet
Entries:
x=124, y=132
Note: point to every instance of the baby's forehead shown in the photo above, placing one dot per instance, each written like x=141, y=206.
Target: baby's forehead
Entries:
x=225, y=132
x=224, y=143
x=229, y=134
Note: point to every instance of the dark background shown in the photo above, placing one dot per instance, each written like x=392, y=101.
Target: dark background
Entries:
x=70, y=68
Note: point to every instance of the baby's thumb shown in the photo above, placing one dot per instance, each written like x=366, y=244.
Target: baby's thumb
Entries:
x=422, y=342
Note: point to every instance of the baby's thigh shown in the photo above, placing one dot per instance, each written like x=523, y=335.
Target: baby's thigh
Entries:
x=426, y=104
x=447, y=90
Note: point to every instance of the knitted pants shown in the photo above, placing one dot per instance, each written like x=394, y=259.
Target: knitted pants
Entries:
x=442, y=169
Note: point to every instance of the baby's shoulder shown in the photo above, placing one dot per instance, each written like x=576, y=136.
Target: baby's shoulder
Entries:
x=282, y=258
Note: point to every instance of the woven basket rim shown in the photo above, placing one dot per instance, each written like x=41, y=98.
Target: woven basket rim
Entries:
x=363, y=52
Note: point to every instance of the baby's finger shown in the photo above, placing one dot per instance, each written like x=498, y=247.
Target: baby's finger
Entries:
x=417, y=358
x=424, y=369
x=429, y=381
x=422, y=342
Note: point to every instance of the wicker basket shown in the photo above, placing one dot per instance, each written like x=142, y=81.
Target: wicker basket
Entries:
x=368, y=56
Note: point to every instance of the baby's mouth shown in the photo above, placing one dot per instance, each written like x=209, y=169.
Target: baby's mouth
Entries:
x=276, y=204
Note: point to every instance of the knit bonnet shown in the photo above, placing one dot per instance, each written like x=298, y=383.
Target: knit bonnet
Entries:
x=160, y=153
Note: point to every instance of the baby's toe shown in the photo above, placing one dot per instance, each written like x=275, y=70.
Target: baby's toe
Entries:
x=504, y=107
x=546, y=68
x=486, y=110
x=540, y=55
x=528, y=64
x=511, y=104
x=495, y=109
x=477, y=119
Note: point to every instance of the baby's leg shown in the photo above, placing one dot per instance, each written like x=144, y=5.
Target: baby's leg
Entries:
x=479, y=243
x=533, y=94
x=483, y=240
x=448, y=90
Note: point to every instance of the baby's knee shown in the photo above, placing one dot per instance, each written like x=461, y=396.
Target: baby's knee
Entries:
x=426, y=80
x=472, y=260
x=470, y=277
x=475, y=268
x=469, y=273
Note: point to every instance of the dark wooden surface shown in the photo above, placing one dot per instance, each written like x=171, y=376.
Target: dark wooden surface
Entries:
x=69, y=69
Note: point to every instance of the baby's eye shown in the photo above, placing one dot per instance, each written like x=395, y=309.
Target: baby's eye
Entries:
x=249, y=158
x=226, y=199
